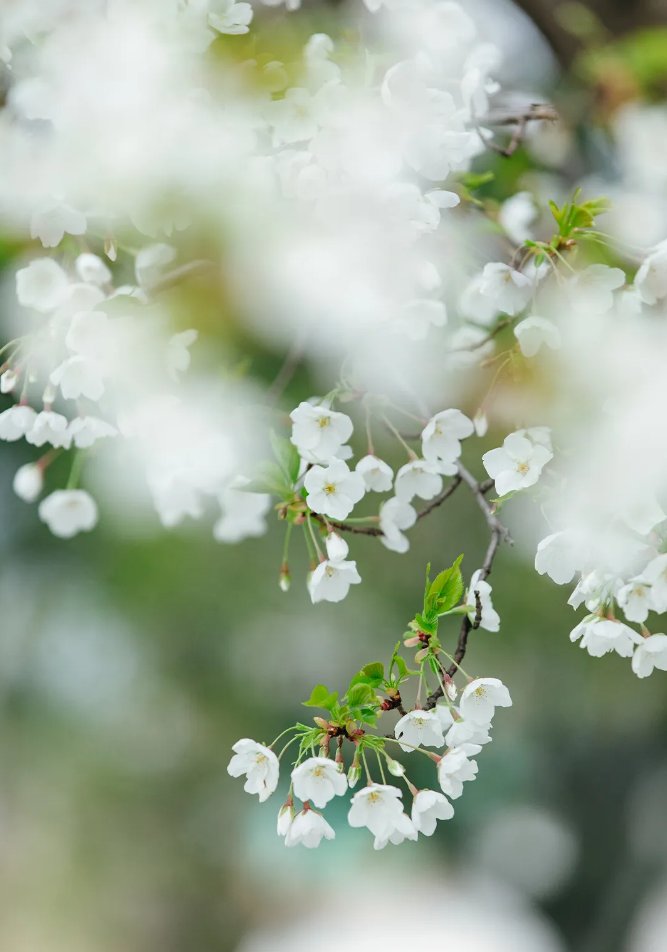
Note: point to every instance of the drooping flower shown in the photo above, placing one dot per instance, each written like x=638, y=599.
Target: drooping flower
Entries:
x=417, y=478
x=655, y=574
x=68, y=512
x=517, y=464
x=92, y=269
x=85, y=431
x=402, y=829
x=333, y=490
x=331, y=580
x=534, y=332
x=651, y=279
x=560, y=555
x=378, y=807
x=15, y=422
x=480, y=589
x=464, y=732
x=243, y=515
x=428, y=807
x=259, y=764
x=442, y=435
x=378, y=476
x=649, y=654
x=51, y=221
x=455, y=768
x=599, y=636
x=635, y=599
x=318, y=432
x=308, y=829
x=395, y=516
x=419, y=729
x=49, y=427
x=319, y=780
x=592, y=290
x=228, y=16
x=481, y=697
x=78, y=377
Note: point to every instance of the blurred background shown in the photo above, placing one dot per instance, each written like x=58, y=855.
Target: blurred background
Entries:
x=132, y=658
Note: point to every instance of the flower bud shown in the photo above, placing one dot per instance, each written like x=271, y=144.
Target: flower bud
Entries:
x=421, y=654
x=395, y=768
x=353, y=774
x=412, y=642
x=28, y=482
x=284, y=579
x=8, y=381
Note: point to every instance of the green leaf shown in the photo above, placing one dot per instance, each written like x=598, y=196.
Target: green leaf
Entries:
x=360, y=695
x=446, y=589
x=374, y=671
x=321, y=696
x=287, y=457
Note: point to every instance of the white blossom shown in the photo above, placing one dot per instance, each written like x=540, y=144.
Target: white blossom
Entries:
x=49, y=427
x=258, y=763
x=442, y=435
x=419, y=729
x=318, y=780
x=516, y=215
x=178, y=352
x=68, y=512
x=150, y=262
x=417, y=478
x=559, y=556
x=331, y=580
x=28, y=482
x=510, y=290
x=379, y=808
x=243, y=515
x=8, y=380
x=308, y=829
x=479, y=588
x=464, y=732
x=455, y=768
x=318, y=432
x=228, y=16
x=481, y=697
x=592, y=290
x=517, y=464
x=50, y=222
x=78, y=377
x=333, y=490
x=378, y=476
x=85, y=431
x=651, y=279
x=428, y=807
x=395, y=516
x=402, y=829
x=599, y=636
x=655, y=574
x=41, y=285
x=649, y=654
x=15, y=422
x=533, y=332
x=635, y=599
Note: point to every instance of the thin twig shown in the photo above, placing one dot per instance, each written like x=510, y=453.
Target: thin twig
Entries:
x=289, y=367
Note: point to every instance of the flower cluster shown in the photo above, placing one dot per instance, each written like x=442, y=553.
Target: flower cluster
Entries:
x=459, y=731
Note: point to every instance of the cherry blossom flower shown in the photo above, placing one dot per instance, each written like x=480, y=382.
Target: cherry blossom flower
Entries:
x=333, y=490
x=455, y=768
x=50, y=222
x=417, y=478
x=428, y=807
x=228, y=16
x=419, y=729
x=464, y=732
x=259, y=764
x=41, y=285
x=517, y=464
x=8, y=380
x=78, y=377
x=651, y=279
x=592, y=290
x=85, y=431
x=490, y=619
x=509, y=289
x=68, y=512
x=655, y=574
x=395, y=516
x=150, y=262
x=243, y=515
x=378, y=476
x=378, y=807
x=599, y=636
x=16, y=422
x=650, y=653
x=28, y=482
x=534, y=332
x=635, y=599
x=318, y=432
x=418, y=316
x=481, y=697
x=559, y=556
x=331, y=580
x=442, y=435
x=308, y=829
x=49, y=427
x=403, y=829
x=285, y=817
x=319, y=780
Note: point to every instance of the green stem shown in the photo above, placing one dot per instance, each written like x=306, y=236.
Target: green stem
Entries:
x=75, y=472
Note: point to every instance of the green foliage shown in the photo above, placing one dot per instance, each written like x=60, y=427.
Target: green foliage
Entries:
x=575, y=217
x=321, y=696
x=277, y=478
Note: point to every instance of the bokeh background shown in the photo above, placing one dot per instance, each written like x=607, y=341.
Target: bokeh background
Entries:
x=132, y=658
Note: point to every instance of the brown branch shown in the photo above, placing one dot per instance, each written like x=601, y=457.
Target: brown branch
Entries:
x=536, y=112
x=498, y=534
